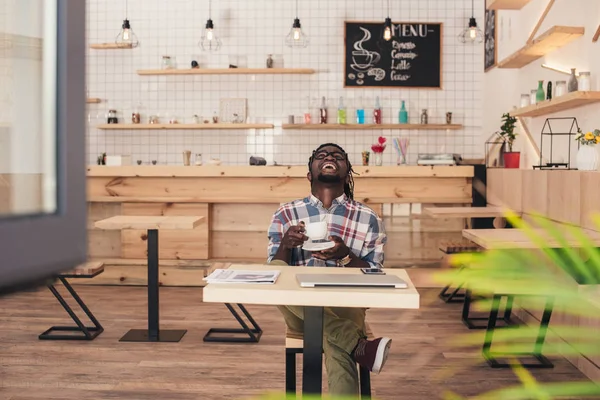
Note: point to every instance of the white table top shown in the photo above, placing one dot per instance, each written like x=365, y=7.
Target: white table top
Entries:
x=160, y=222
x=287, y=291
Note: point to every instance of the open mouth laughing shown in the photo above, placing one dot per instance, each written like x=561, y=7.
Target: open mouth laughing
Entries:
x=329, y=166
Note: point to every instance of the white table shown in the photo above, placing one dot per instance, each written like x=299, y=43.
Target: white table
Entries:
x=287, y=291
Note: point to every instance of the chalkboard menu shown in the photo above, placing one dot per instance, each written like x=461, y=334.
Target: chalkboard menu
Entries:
x=413, y=58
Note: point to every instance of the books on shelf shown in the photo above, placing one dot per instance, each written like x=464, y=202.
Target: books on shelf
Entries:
x=242, y=276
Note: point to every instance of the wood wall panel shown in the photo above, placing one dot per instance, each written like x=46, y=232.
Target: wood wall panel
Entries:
x=101, y=243
x=535, y=192
x=239, y=245
x=242, y=218
x=504, y=188
x=563, y=196
x=270, y=190
x=177, y=244
x=590, y=199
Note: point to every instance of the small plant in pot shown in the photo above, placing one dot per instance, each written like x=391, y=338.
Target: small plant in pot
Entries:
x=512, y=159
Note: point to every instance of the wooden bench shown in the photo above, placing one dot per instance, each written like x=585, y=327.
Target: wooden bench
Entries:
x=80, y=332
x=468, y=213
x=294, y=344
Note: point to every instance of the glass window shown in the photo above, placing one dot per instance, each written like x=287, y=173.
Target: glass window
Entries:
x=28, y=58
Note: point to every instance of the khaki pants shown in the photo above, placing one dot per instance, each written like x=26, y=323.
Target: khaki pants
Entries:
x=342, y=328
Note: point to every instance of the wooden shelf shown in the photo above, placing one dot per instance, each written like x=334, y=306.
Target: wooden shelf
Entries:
x=562, y=103
x=372, y=126
x=109, y=46
x=506, y=4
x=228, y=71
x=93, y=100
x=182, y=126
x=554, y=38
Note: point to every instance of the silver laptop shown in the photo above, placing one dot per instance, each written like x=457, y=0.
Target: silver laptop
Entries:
x=350, y=280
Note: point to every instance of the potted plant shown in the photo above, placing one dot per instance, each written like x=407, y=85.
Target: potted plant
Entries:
x=587, y=156
x=512, y=159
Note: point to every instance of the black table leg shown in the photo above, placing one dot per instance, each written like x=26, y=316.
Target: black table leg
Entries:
x=312, y=368
x=153, y=333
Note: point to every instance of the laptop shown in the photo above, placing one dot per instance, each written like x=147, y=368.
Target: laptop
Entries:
x=350, y=280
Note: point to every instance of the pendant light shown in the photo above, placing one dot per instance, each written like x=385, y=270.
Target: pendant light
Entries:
x=388, y=28
x=209, y=40
x=472, y=34
x=126, y=38
x=296, y=38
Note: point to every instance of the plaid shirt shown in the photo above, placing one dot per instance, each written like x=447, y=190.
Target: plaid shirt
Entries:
x=359, y=227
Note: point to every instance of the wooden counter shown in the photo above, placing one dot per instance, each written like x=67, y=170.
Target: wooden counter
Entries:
x=238, y=203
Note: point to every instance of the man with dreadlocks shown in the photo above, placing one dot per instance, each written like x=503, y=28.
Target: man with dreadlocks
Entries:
x=359, y=236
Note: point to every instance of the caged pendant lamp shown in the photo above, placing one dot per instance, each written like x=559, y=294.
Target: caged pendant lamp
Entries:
x=472, y=34
x=296, y=38
x=210, y=41
x=126, y=37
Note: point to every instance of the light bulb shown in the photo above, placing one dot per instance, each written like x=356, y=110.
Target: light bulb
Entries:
x=126, y=36
x=387, y=33
x=473, y=33
x=297, y=34
x=209, y=34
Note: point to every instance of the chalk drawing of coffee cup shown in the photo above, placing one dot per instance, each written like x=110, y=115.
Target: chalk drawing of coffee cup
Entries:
x=362, y=58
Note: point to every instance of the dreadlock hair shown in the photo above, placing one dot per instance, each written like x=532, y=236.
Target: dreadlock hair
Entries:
x=348, y=186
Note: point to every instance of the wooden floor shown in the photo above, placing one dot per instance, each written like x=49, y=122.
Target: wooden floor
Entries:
x=421, y=364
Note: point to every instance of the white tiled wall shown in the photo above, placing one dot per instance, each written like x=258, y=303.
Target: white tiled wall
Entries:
x=253, y=29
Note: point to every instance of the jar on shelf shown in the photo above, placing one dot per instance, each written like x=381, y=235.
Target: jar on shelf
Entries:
x=561, y=88
x=533, y=96
x=112, y=117
x=585, y=83
x=167, y=63
x=525, y=100
x=198, y=160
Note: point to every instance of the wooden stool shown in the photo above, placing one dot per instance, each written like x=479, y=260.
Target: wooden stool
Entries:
x=294, y=344
x=88, y=270
x=455, y=247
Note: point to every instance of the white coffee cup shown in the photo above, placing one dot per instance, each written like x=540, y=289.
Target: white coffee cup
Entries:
x=316, y=230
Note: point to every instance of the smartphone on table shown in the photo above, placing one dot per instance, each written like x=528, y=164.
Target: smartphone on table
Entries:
x=372, y=271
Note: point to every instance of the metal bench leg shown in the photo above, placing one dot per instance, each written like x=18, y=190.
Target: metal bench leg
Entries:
x=251, y=335
x=453, y=297
x=470, y=321
x=88, y=333
x=492, y=357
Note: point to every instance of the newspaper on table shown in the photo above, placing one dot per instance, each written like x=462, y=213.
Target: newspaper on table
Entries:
x=242, y=276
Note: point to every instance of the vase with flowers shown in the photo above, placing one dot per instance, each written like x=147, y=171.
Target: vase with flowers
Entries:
x=378, y=149
x=587, y=156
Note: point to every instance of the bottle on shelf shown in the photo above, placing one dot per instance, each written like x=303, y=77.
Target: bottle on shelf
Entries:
x=360, y=112
x=307, y=116
x=540, y=95
x=403, y=114
x=323, y=111
x=341, y=114
x=424, y=117
x=377, y=112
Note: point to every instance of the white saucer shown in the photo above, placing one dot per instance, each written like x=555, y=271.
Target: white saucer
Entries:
x=311, y=246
